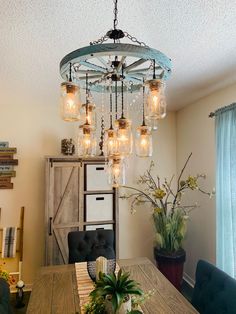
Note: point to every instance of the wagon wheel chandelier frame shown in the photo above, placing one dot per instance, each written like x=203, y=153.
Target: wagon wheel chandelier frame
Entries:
x=95, y=60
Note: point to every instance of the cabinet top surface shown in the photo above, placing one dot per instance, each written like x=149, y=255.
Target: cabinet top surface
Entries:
x=76, y=158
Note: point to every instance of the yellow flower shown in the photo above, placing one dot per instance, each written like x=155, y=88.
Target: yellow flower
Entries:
x=192, y=182
x=159, y=193
x=5, y=275
x=157, y=210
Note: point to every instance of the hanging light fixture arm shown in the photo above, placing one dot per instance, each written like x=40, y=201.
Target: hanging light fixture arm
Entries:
x=70, y=78
x=116, y=99
x=122, y=93
x=111, y=126
x=144, y=123
x=154, y=69
x=87, y=101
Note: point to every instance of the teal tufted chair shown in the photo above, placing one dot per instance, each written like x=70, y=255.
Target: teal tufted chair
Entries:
x=5, y=307
x=214, y=291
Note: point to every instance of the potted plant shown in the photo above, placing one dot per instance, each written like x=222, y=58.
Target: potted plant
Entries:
x=4, y=274
x=169, y=216
x=112, y=294
x=5, y=281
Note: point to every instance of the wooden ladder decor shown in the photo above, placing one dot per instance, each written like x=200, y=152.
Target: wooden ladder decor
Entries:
x=20, y=230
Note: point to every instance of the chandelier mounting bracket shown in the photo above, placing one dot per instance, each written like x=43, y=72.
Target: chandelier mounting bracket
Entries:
x=115, y=34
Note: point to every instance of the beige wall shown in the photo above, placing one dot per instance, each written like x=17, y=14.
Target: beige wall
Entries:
x=31, y=124
x=195, y=133
x=29, y=120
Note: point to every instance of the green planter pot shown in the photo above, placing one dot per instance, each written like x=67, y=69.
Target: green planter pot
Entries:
x=171, y=265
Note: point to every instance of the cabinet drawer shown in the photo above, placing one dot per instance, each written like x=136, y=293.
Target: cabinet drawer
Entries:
x=94, y=227
x=96, y=179
x=99, y=207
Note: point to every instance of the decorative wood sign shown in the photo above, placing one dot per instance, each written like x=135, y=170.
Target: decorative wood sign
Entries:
x=7, y=163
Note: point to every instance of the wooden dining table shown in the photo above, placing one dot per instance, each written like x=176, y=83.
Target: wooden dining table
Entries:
x=55, y=290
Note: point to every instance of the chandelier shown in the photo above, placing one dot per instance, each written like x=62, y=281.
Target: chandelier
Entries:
x=114, y=69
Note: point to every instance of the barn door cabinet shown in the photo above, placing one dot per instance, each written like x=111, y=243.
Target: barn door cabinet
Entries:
x=78, y=197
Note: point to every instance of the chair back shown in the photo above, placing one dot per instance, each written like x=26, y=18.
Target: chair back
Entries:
x=88, y=245
x=214, y=290
x=5, y=307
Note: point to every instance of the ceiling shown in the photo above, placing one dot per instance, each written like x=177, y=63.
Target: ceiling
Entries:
x=198, y=35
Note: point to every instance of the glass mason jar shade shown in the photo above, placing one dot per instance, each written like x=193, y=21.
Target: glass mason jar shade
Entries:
x=110, y=142
x=156, y=102
x=143, y=141
x=153, y=124
x=90, y=116
x=70, y=101
x=86, y=141
x=116, y=170
x=124, y=137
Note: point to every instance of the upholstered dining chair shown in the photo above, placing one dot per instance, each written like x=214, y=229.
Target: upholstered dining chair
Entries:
x=5, y=307
x=214, y=291
x=88, y=245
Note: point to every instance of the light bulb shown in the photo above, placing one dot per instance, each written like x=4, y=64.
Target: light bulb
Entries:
x=110, y=142
x=86, y=141
x=143, y=141
x=90, y=115
x=124, y=137
x=116, y=170
x=70, y=101
x=156, y=103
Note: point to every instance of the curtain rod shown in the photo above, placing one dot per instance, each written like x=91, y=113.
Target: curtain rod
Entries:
x=213, y=113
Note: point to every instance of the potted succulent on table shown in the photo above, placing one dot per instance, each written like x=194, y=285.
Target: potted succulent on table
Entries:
x=112, y=294
x=169, y=216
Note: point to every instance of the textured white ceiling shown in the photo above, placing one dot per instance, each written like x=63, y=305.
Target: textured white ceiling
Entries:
x=198, y=35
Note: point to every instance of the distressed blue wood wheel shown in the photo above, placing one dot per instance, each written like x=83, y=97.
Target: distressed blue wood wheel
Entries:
x=96, y=60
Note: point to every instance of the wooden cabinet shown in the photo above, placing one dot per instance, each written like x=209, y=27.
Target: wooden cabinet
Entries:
x=78, y=197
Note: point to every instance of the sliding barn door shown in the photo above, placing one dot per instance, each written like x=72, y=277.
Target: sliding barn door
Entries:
x=63, y=209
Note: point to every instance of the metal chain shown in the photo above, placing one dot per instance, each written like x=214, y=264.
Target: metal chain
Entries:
x=132, y=38
x=115, y=14
x=101, y=143
x=135, y=40
x=100, y=40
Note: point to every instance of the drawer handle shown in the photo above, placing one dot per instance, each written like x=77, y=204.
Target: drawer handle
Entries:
x=99, y=168
x=100, y=229
x=99, y=198
x=50, y=226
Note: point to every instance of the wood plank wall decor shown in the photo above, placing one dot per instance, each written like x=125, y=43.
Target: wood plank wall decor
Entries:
x=7, y=163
